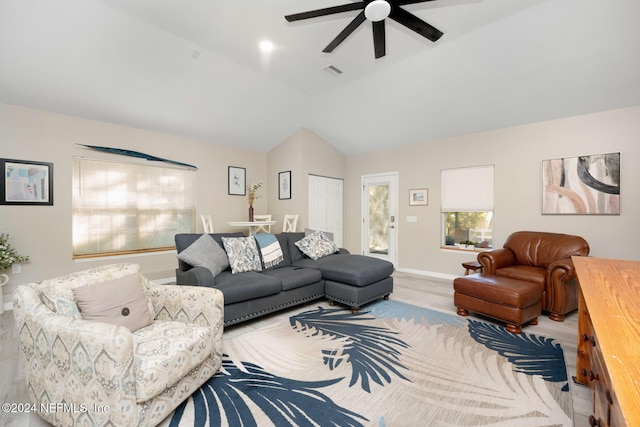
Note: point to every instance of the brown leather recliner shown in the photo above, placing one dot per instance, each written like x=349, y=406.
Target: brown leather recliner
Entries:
x=543, y=258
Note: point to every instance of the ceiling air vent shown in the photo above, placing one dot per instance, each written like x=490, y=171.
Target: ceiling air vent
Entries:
x=333, y=70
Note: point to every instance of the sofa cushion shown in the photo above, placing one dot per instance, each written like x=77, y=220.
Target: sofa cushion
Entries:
x=184, y=240
x=295, y=277
x=317, y=245
x=58, y=296
x=243, y=254
x=524, y=272
x=356, y=270
x=295, y=253
x=206, y=252
x=121, y=302
x=246, y=286
x=165, y=352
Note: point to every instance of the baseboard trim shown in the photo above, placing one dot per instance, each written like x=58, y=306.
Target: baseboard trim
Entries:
x=432, y=274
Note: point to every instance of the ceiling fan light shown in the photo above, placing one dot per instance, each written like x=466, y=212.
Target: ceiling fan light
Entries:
x=377, y=10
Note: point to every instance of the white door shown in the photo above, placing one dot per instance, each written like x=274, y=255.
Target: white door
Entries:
x=379, y=215
x=326, y=201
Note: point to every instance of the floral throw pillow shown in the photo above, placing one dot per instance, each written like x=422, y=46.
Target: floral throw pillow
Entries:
x=243, y=254
x=317, y=245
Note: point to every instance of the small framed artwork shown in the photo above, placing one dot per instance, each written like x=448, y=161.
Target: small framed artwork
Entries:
x=284, y=185
x=419, y=197
x=237, y=181
x=25, y=182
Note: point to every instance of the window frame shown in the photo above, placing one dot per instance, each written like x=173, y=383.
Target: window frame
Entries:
x=129, y=208
x=467, y=190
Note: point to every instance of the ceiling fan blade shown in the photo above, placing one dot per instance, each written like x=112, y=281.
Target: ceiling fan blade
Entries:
x=379, y=39
x=414, y=23
x=325, y=11
x=345, y=33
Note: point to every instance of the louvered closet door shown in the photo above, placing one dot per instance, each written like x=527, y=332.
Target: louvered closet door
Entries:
x=326, y=205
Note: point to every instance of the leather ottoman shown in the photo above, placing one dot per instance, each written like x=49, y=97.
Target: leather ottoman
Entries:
x=512, y=301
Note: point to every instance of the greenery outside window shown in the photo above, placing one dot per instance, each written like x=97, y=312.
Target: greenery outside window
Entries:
x=123, y=208
x=467, y=207
x=469, y=229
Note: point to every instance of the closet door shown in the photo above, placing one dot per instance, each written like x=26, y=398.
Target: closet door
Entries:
x=326, y=205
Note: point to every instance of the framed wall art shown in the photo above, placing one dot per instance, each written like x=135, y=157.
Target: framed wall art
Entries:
x=284, y=185
x=583, y=185
x=26, y=182
x=237, y=181
x=419, y=197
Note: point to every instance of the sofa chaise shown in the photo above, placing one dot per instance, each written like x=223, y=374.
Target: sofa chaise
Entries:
x=341, y=277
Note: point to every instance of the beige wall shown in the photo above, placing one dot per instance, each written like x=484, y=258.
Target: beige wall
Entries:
x=304, y=153
x=517, y=154
x=44, y=232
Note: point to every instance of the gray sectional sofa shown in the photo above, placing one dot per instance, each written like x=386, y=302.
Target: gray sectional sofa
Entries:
x=341, y=277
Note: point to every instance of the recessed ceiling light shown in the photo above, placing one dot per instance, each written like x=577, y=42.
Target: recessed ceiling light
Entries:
x=266, y=46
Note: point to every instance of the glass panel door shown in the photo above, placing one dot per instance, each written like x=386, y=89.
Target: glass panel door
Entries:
x=379, y=219
x=379, y=206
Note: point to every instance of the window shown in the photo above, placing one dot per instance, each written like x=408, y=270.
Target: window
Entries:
x=121, y=208
x=467, y=206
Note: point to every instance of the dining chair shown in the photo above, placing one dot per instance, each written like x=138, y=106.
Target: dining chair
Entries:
x=207, y=224
x=262, y=228
x=290, y=223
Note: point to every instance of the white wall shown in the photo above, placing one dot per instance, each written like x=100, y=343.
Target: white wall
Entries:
x=517, y=154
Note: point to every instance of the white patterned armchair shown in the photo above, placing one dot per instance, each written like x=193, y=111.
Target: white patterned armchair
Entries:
x=93, y=373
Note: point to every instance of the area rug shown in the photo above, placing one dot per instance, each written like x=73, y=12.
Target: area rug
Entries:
x=392, y=364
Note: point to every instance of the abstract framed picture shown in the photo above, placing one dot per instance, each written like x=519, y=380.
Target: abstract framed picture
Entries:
x=583, y=185
x=284, y=185
x=419, y=197
x=237, y=181
x=26, y=182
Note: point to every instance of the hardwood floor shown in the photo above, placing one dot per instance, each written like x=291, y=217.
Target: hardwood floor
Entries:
x=409, y=288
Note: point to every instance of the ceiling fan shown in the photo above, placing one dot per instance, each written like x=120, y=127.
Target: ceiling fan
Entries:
x=375, y=11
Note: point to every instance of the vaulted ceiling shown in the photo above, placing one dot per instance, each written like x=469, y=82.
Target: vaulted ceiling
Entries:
x=193, y=67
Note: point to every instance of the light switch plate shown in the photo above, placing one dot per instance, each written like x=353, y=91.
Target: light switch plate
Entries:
x=16, y=268
x=412, y=218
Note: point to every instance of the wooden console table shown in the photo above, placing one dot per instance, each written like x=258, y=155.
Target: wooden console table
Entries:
x=609, y=338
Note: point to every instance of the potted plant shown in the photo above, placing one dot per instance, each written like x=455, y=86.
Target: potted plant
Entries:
x=8, y=257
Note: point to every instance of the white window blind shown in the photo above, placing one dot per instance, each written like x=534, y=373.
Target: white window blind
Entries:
x=467, y=189
x=129, y=207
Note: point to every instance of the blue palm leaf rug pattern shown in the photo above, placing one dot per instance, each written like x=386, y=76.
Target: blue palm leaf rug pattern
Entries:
x=392, y=364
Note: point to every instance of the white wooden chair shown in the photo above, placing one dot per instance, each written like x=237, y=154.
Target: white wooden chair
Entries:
x=262, y=228
x=290, y=223
x=207, y=224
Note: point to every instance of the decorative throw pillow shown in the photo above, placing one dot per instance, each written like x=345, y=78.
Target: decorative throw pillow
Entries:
x=120, y=302
x=317, y=245
x=243, y=254
x=206, y=252
x=309, y=231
